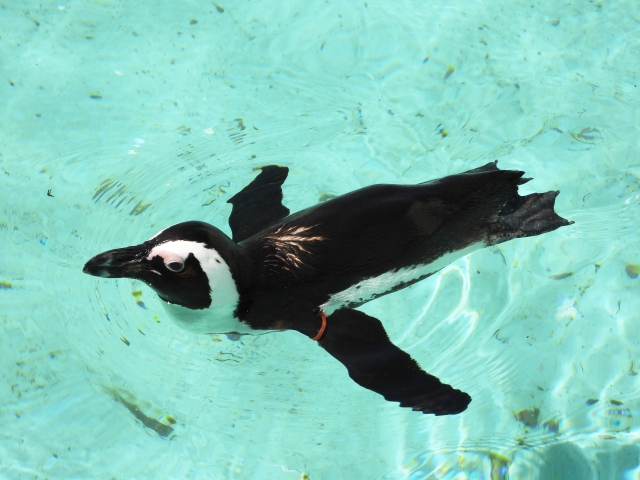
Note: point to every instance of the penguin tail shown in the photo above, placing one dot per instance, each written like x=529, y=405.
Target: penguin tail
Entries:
x=526, y=217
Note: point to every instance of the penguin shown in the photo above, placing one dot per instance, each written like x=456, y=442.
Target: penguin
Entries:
x=309, y=271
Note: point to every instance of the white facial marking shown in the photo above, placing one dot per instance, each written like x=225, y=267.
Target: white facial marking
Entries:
x=167, y=255
x=370, y=288
x=223, y=287
x=218, y=318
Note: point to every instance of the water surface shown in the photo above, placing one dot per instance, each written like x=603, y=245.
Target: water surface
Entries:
x=138, y=115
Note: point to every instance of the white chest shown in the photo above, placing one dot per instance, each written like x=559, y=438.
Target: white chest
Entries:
x=215, y=319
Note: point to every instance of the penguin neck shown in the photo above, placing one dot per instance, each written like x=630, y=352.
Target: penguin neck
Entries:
x=242, y=271
x=215, y=319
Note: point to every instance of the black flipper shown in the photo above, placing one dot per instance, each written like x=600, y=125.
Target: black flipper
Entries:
x=362, y=345
x=259, y=204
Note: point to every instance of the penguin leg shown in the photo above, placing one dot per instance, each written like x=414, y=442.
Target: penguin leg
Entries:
x=361, y=344
x=526, y=216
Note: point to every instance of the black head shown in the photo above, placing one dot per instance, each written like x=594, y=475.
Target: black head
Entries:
x=187, y=264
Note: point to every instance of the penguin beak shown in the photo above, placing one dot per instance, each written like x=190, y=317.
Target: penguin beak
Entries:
x=118, y=263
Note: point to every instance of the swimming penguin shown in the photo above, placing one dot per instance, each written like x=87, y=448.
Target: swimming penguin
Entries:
x=310, y=270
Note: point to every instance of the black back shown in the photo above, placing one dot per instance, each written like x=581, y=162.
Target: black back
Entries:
x=382, y=228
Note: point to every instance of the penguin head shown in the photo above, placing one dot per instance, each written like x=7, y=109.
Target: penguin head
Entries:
x=188, y=264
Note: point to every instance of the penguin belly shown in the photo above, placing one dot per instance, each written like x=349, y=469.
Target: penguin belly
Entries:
x=370, y=288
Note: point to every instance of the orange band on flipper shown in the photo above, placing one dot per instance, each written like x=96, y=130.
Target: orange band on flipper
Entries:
x=324, y=325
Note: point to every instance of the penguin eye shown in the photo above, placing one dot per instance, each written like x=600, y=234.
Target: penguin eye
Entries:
x=175, y=266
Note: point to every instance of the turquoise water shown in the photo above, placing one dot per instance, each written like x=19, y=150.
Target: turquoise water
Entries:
x=138, y=115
